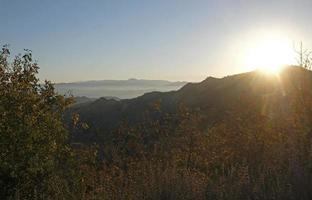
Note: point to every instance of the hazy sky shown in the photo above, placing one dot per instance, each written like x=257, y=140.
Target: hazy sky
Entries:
x=153, y=39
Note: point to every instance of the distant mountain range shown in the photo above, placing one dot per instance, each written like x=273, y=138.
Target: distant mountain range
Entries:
x=122, y=89
x=213, y=98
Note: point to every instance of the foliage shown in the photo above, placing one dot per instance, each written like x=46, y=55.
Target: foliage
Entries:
x=35, y=158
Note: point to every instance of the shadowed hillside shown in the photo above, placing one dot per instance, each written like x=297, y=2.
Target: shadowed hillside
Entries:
x=246, y=136
x=212, y=98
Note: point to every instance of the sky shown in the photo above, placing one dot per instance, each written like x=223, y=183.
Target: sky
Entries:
x=186, y=40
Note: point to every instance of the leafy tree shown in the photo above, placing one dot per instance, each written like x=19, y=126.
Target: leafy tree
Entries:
x=34, y=150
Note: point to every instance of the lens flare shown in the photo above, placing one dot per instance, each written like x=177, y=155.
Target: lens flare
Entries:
x=270, y=55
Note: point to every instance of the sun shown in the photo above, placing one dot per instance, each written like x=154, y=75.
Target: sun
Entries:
x=270, y=54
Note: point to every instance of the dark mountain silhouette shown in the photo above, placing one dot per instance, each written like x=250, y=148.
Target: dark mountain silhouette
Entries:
x=122, y=89
x=82, y=99
x=213, y=98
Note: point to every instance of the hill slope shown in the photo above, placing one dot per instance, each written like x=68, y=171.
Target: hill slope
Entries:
x=213, y=98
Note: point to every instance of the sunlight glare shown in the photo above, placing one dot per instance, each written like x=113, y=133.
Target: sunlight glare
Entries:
x=270, y=54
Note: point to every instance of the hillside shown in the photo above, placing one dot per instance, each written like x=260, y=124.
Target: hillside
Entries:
x=212, y=98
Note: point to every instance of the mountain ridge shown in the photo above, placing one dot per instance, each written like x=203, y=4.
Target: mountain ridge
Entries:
x=213, y=98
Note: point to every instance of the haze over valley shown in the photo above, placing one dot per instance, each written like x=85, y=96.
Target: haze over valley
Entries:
x=122, y=89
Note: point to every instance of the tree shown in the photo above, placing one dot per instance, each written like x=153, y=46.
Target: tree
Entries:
x=304, y=57
x=34, y=147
